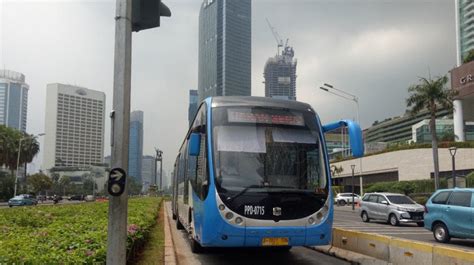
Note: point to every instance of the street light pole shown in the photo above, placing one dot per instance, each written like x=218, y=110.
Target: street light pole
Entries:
x=353, y=167
x=17, y=166
x=18, y=161
x=355, y=99
x=452, y=151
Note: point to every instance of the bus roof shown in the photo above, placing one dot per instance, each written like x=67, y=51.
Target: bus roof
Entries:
x=236, y=101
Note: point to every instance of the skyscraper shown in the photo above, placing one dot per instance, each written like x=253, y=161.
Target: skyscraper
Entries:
x=193, y=105
x=280, y=75
x=74, y=126
x=13, y=99
x=135, y=146
x=225, y=48
x=148, y=171
x=465, y=36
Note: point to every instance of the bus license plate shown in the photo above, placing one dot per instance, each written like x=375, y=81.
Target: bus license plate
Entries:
x=275, y=241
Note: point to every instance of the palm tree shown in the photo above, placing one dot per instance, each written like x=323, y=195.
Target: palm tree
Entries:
x=430, y=94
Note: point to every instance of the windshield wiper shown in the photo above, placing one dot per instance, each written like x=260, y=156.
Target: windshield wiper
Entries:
x=256, y=187
x=244, y=191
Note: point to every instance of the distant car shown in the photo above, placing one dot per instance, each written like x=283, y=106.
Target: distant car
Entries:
x=22, y=200
x=346, y=198
x=76, y=198
x=89, y=198
x=449, y=212
x=391, y=207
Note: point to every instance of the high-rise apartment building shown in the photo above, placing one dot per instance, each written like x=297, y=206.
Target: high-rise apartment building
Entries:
x=461, y=76
x=465, y=29
x=74, y=126
x=148, y=172
x=280, y=75
x=193, y=105
x=225, y=48
x=135, y=146
x=13, y=99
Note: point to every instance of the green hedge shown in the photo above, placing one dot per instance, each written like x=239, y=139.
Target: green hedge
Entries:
x=68, y=234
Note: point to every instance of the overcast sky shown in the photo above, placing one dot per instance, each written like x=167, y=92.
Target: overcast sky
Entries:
x=373, y=48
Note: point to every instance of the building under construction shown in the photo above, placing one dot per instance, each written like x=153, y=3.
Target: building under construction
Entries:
x=280, y=71
x=280, y=75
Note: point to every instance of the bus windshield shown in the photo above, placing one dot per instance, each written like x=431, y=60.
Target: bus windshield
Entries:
x=267, y=149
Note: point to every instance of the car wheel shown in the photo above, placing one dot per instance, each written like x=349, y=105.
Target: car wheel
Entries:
x=420, y=224
x=392, y=219
x=441, y=233
x=342, y=203
x=10, y=206
x=365, y=217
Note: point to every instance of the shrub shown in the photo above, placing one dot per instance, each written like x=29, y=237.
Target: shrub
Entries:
x=68, y=234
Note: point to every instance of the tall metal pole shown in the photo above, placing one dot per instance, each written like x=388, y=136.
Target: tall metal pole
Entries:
x=361, y=182
x=117, y=228
x=353, y=202
x=454, y=171
x=161, y=173
x=17, y=167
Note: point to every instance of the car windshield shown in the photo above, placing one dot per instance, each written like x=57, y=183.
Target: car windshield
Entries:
x=397, y=199
x=267, y=149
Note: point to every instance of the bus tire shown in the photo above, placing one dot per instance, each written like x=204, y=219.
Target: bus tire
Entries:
x=196, y=246
x=174, y=216
x=179, y=225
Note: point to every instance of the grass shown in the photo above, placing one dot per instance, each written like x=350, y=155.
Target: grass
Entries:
x=154, y=249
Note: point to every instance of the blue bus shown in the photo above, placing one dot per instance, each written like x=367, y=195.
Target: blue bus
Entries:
x=254, y=172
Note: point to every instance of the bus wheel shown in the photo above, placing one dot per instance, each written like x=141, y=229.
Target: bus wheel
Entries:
x=196, y=247
x=179, y=225
x=174, y=216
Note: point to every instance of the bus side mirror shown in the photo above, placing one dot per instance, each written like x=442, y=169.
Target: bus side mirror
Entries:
x=355, y=135
x=194, y=144
x=355, y=139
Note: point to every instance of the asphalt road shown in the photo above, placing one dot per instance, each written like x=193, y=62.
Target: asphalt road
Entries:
x=345, y=218
x=5, y=204
x=296, y=256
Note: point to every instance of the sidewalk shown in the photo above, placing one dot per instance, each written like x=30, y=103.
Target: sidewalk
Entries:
x=170, y=255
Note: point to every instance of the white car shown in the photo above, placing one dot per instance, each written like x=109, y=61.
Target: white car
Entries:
x=346, y=198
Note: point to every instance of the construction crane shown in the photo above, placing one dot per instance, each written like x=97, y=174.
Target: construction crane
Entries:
x=278, y=39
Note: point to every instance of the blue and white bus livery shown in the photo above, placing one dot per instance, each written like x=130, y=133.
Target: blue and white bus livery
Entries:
x=254, y=172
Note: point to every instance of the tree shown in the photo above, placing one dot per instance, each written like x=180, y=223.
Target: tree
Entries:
x=429, y=94
x=469, y=57
x=134, y=186
x=10, y=141
x=39, y=182
x=64, y=183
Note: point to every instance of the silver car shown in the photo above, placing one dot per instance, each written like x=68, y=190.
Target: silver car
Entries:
x=391, y=207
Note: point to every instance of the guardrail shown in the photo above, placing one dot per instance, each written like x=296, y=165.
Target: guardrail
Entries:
x=393, y=250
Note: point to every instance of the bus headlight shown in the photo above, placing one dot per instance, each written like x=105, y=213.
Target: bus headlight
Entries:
x=221, y=207
x=311, y=220
x=319, y=215
x=229, y=215
x=238, y=220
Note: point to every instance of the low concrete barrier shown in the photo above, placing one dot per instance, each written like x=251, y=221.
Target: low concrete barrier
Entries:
x=399, y=251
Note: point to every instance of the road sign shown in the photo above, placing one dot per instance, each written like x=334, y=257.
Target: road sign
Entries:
x=117, y=181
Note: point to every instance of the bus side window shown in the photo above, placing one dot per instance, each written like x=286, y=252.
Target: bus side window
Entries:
x=197, y=168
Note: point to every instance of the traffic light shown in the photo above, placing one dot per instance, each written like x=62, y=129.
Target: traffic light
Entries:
x=146, y=14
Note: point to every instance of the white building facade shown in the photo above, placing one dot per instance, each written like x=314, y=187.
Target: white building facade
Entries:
x=74, y=126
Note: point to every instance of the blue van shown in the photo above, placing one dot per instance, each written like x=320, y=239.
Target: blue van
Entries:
x=449, y=213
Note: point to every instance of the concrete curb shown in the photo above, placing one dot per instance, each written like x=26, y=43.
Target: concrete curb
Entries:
x=353, y=257
x=170, y=254
x=356, y=246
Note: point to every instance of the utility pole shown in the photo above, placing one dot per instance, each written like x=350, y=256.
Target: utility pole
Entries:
x=130, y=15
x=118, y=205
